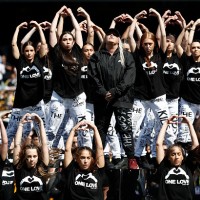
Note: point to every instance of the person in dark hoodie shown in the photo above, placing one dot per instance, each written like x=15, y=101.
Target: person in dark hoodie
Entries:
x=113, y=71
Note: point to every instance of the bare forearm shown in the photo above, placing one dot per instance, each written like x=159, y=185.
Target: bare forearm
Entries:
x=68, y=144
x=193, y=134
x=43, y=134
x=60, y=26
x=28, y=35
x=161, y=134
x=4, y=145
x=18, y=136
x=15, y=36
x=4, y=137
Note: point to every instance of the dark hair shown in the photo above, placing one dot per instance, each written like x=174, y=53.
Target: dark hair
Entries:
x=39, y=165
x=196, y=40
x=63, y=56
x=28, y=43
x=34, y=133
x=78, y=152
x=76, y=134
x=169, y=150
x=113, y=31
x=88, y=43
x=85, y=61
x=64, y=33
x=196, y=155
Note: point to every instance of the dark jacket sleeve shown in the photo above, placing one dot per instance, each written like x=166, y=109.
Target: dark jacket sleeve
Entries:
x=93, y=69
x=128, y=78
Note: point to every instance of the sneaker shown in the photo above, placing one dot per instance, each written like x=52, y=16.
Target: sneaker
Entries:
x=132, y=163
x=122, y=164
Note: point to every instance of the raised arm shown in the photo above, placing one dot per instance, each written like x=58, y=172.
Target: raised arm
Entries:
x=134, y=27
x=78, y=34
x=139, y=27
x=45, y=25
x=90, y=31
x=185, y=42
x=131, y=39
x=193, y=134
x=116, y=20
x=159, y=144
x=27, y=37
x=166, y=19
x=98, y=143
x=68, y=157
x=83, y=125
x=18, y=137
x=60, y=26
x=99, y=31
x=4, y=141
x=161, y=136
x=42, y=50
x=163, y=44
x=53, y=37
x=15, y=48
x=43, y=138
x=192, y=31
x=179, y=48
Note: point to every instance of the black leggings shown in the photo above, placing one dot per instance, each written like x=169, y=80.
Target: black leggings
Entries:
x=103, y=114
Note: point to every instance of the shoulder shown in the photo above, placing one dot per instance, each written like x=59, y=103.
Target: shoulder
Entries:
x=76, y=47
x=165, y=164
x=128, y=54
x=96, y=56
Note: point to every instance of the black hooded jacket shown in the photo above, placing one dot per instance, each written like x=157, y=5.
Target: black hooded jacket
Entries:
x=108, y=74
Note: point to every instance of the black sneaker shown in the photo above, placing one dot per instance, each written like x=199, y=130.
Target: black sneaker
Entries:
x=122, y=164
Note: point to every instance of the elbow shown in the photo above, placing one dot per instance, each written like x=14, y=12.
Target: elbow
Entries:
x=13, y=44
x=195, y=145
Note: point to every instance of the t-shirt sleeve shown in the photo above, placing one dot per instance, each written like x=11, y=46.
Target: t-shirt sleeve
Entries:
x=69, y=168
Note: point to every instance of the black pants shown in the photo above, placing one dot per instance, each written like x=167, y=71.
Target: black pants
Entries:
x=103, y=113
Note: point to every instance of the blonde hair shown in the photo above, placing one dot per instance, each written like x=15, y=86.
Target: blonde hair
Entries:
x=121, y=53
x=121, y=50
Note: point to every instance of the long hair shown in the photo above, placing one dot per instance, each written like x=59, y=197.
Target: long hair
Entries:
x=121, y=53
x=62, y=54
x=151, y=36
x=28, y=43
x=22, y=159
x=93, y=160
